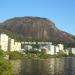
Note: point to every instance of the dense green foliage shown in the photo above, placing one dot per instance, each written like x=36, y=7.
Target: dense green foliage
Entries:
x=34, y=55
x=5, y=66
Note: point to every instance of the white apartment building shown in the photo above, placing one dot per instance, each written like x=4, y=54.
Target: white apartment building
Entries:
x=7, y=43
x=12, y=44
x=61, y=46
x=17, y=46
x=56, y=49
x=4, y=41
x=73, y=50
x=70, y=50
x=52, y=50
x=67, y=51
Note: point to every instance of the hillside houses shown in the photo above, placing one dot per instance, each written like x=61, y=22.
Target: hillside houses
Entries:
x=9, y=44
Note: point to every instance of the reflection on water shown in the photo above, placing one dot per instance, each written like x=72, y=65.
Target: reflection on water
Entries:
x=53, y=66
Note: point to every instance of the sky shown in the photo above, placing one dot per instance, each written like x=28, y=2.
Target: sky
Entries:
x=61, y=12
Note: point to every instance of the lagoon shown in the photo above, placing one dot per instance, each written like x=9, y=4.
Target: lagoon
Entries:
x=52, y=66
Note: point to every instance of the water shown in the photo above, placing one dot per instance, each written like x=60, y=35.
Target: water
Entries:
x=52, y=66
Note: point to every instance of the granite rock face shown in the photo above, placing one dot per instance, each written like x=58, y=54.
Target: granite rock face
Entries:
x=36, y=28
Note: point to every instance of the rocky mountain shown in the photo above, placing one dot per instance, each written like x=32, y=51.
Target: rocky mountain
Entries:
x=35, y=29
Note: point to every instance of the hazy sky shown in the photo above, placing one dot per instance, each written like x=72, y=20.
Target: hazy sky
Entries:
x=61, y=12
